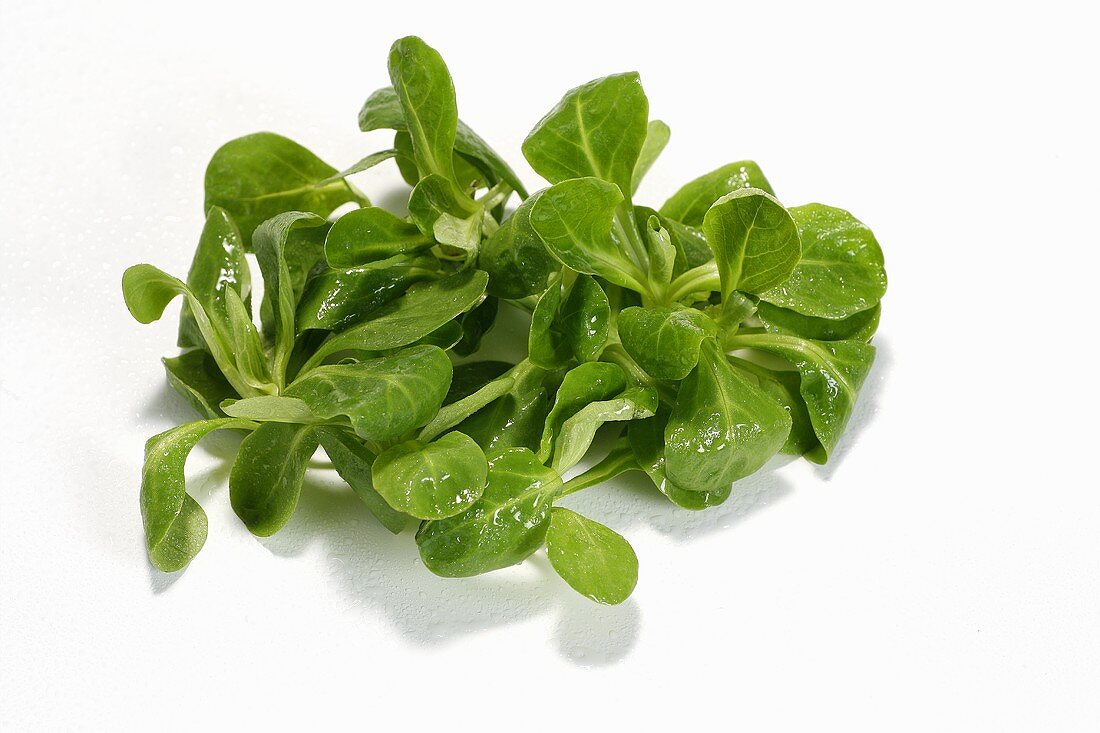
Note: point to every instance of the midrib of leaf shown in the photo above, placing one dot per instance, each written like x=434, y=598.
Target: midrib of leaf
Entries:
x=805, y=347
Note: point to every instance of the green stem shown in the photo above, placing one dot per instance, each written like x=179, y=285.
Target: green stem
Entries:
x=619, y=460
x=703, y=278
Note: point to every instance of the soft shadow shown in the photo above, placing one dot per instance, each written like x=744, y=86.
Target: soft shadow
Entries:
x=866, y=407
x=394, y=200
x=382, y=572
x=160, y=581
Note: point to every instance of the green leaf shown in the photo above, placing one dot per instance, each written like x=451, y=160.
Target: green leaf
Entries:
x=858, y=326
x=432, y=480
x=841, y=269
x=362, y=165
x=515, y=257
x=665, y=341
x=656, y=138
x=589, y=382
x=445, y=213
x=423, y=309
x=598, y=129
x=722, y=427
x=831, y=372
x=284, y=274
x=337, y=299
x=783, y=386
x=384, y=398
x=175, y=525
x=426, y=93
x=382, y=110
x=218, y=265
x=246, y=344
x=271, y=408
x=445, y=337
x=585, y=318
x=474, y=324
x=546, y=343
x=516, y=418
x=577, y=432
x=267, y=476
x=474, y=376
x=662, y=253
x=195, y=376
x=689, y=205
x=502, y=528
x=352, y=460
x=454, y=412
x=574, y=219
x=260, y=176
x=755, y=241
x=647, y=441
x=595, y=561
x=370, y=234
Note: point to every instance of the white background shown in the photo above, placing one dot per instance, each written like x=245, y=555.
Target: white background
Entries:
x=940, y=574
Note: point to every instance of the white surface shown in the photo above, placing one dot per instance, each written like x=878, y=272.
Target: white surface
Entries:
x=942, y=574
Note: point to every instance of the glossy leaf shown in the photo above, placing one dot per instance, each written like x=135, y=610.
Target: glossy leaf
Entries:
x=647, y=441
x=271, y=408
x=841, y=269
x=516, y=418
x=175, y=525
x=244, y=339
x=267, y=476
x=284, y=274
x=859, y=326
x=598, y=129
x=515, y=257
x=454, y=412
x=831, y=372
x=473, y=376
x=722, y=428
x=574, y=219
x=426, y=93
x=546, y=343
x=474, y=324
x=352, y=460
x=382, y=110
x=423, y=309
x=446, y=214
x=587, y=383
x=665, y=342
x=783, y=386
x=432, y=480
x=577, y=432
x=385, y=398
x=505, y=526
x=595, y=561
x=195, y=376
x=656, y=138
x=337, y=299
x=218, y=265
x=584, y=318
x=689, y=205
x=755, y=241
x=370, y=234
x=260, y=176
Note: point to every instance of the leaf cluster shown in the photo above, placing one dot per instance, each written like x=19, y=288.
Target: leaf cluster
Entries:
x=706, y=335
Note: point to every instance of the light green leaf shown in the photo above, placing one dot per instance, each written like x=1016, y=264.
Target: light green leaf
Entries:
x=647, y=441
x=218, y=265
x=841, y=269
x=271, y=408
x=689, y=205
x=859, y=326
x=589, y=382
x=370, y=234
x=595, y=561
x=266, y=479
x=427, y=96
x=195, y=376
x=577, y=432
x=657, y=135
x=665, y=341
x=453, y=413
x=432, y=480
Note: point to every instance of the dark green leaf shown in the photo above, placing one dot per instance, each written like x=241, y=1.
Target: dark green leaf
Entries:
x=384, y=398
x=336, y=299
x=266, y=479
x=841, y=269
x=547, y=346
x=690, y=203
x=502, y=528
x=218, y=265
x=432, y=480
x=472, y=377
x=515, y=257
x=260, y=176
x=423, y=309
x=195, y=376
x=475, y=324
x=584, y=318
x=352, y=460
x=517, y=417
x=595, y=561
x=427, y=96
